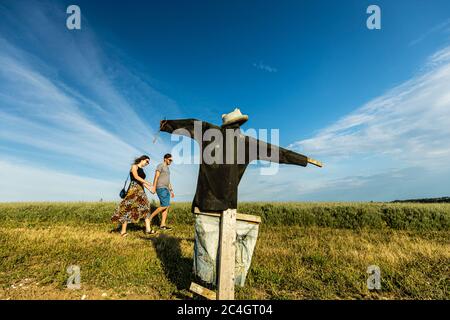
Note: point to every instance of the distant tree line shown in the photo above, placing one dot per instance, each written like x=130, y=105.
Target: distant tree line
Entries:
x=427, y=200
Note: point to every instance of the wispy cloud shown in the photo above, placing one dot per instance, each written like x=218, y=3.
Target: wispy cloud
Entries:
x=20, y=181
x=72, y=116
x=405, y=130
x=440, y=57
x=264, y=67
x=64, y=99
x=441, y=27
x=410, y=122
x=338, y=183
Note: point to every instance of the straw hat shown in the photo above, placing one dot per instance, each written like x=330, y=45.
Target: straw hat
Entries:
x=234, y=117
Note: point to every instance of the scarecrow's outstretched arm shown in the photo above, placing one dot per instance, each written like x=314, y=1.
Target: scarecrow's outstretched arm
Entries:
x=291, y=157
x=183, y=126
x=273, y=153
x=186, y=127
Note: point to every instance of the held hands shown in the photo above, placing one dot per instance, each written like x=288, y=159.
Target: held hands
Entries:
x=148, y=186
x=172, y=195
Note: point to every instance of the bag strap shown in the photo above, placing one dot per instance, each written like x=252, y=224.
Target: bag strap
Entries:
x=126, y=181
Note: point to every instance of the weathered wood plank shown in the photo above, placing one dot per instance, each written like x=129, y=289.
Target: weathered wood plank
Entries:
x=239, y=216
x=248, y=218
x=204, y=292
x=315, y=162
x=227, y=255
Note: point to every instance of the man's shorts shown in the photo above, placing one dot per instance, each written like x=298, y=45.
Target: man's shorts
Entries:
x=164, y=196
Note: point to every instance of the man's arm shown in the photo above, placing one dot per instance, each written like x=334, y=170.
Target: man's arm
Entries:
x=171, y=190
x=155, y=179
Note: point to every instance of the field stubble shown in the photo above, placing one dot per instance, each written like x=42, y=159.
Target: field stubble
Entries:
x=304, y=251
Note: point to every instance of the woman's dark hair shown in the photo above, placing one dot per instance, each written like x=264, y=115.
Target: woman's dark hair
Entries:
x=138, y=160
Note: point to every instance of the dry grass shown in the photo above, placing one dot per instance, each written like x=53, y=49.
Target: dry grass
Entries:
x=294, y=262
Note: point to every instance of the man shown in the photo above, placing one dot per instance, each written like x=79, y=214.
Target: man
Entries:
x=163, y=188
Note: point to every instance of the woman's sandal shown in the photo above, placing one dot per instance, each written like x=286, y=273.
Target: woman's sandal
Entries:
x=123, y=235
x=150, y=232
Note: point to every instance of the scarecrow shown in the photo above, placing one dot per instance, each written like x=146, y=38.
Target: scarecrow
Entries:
x=217, y=185
x=221, y=232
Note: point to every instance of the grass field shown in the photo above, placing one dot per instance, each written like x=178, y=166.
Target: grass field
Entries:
x=304, y=251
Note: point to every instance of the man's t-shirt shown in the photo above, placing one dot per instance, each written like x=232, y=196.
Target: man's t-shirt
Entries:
x=164, y=176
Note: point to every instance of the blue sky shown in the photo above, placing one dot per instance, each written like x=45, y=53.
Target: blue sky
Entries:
x=374, y=105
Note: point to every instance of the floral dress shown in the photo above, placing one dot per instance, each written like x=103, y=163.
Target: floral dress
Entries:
x=135, y=205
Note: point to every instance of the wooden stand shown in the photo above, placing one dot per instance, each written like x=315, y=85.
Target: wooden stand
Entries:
x=204, y=292
x=226, y=255
x=315, y=162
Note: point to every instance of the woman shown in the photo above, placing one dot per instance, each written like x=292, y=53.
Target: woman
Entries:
x=135, y=205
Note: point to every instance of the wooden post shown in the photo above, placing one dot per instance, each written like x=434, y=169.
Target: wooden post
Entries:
x=204, y=292
x=226, y=267
x=227, y=255
x=315, y=162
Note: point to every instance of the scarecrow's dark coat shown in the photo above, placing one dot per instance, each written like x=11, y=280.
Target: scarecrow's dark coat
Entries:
x=217, y=184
